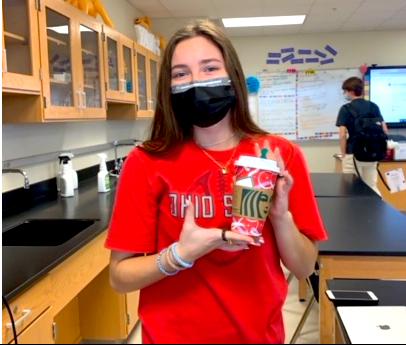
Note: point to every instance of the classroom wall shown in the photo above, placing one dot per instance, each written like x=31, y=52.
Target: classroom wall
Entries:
x=25, y=140
x=354, y=49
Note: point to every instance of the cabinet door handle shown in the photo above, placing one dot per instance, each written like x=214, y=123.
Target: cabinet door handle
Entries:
x=149, y=104
x=123, y=82
x=55, y=330
x=26, y=313
x=79, y=94
x=84, y=105
x=4, y=60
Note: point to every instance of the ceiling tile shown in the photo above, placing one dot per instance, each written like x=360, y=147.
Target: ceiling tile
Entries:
x=322, y=15
x=192, y=13
x=400, y=15
x=230, y=4
x=159, y=14
x=281, y=30
x=334, y=3
x=317, y=30
x=173, y=5
x=332, y=11
x=240, y=12
x=322, y=20
x=357, y=26
x=235, y=32
x=146, y=6
x=392, y=25
x=286, y=10
x=372, y=16
x=379, y=5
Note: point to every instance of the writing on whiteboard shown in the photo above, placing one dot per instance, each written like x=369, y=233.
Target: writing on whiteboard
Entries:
x=303, y=105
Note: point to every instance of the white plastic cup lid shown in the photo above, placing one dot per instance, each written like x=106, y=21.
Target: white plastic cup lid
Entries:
x=257, y=163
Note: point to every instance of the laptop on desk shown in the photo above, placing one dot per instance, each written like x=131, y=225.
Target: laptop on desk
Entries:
x=374, y=324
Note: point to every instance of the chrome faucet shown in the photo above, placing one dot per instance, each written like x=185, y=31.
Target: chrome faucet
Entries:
x=118, y=163
x=26, y=181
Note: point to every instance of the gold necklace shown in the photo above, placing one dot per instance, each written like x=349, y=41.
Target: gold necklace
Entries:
x=217, y=143
x=223, y=168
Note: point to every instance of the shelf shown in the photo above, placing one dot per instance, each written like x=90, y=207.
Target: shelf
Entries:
x=15, y=37
x=55, y=40
x=89, y=52
x=88, y=86
x=57, y=81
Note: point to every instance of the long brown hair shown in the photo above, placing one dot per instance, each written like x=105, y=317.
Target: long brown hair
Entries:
x=166, y=134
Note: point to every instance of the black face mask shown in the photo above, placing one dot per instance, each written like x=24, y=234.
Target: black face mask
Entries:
x=202, y=103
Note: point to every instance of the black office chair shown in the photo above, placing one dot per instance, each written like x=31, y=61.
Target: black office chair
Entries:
x=313, y=282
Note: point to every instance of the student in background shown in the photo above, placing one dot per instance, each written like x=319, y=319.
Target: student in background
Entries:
x=200, y=283
x=353, y=92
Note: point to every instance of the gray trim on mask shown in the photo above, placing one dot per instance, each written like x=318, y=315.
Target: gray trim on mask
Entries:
x=223, y=81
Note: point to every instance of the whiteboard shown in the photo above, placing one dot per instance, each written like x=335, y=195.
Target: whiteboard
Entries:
x=302, y=105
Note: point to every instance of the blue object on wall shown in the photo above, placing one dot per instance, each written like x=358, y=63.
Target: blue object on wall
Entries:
x=252, y=84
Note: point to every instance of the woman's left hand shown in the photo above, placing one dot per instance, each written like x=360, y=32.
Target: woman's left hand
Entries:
x=279, y=204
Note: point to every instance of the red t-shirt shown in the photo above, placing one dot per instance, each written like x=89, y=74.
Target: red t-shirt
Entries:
x=225, y=297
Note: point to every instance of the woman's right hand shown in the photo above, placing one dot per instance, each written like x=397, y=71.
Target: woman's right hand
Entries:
x=195, y=241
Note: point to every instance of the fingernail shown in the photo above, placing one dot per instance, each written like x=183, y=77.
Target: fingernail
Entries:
x=261, y=241
x=255, y=244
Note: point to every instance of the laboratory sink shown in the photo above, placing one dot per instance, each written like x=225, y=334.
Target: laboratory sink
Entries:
x=45, y=232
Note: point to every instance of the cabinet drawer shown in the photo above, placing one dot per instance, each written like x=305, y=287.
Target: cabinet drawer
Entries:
x=33, y=301
x=39, y=332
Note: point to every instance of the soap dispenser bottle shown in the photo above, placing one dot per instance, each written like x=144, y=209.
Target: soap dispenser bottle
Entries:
x=73, y=172
x=103, y=177
x=66, y=182
x=63, y=156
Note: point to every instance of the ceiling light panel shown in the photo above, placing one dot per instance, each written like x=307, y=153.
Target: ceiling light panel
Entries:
x=263, y=21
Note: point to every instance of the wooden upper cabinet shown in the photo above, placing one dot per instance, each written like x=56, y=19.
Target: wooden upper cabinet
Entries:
x=71, y=60
x=64, y=65
x=119, y=67
x=148, y=65
x=21, y=59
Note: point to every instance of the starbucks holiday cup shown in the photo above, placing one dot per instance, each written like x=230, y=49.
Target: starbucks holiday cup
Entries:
x=254, y=184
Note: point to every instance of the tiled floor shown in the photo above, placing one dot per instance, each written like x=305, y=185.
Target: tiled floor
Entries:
x=292, y=312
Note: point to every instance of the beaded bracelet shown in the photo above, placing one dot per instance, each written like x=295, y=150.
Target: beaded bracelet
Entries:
x=159, y=263
x=181, y=262
x=171, y=261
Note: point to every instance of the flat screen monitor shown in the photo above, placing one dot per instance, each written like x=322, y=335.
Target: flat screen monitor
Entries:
x=386, y=86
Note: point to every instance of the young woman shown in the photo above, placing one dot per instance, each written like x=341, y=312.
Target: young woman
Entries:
x=200, y=284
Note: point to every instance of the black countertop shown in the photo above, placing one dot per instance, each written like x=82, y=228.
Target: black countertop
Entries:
x=340, y=185
x=362, y=226
x=23, y=265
